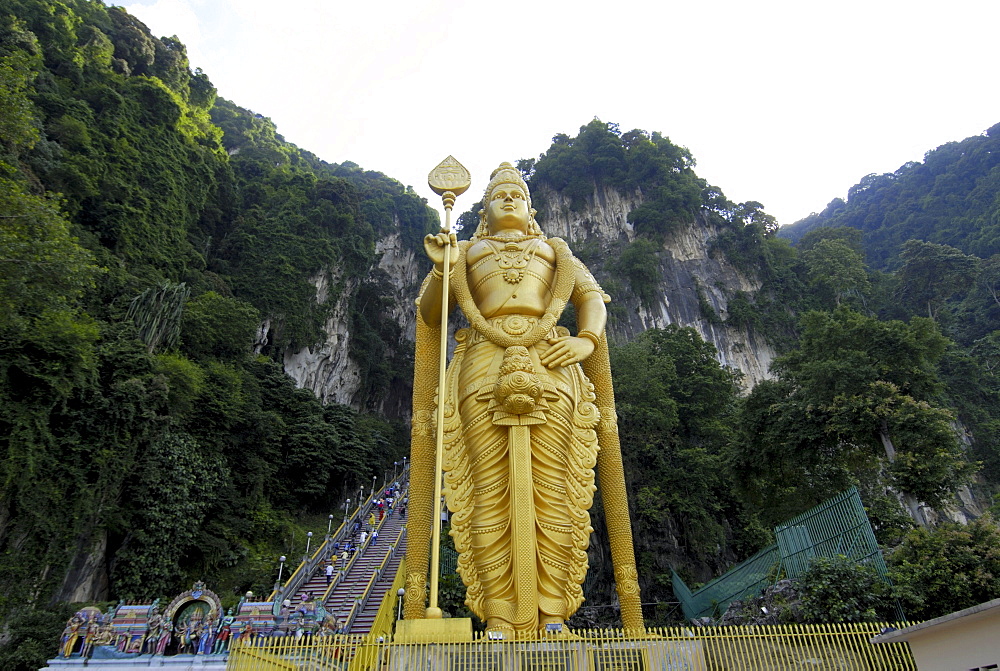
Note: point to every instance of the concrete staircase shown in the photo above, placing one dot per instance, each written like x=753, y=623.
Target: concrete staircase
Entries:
x=364, y=567
x=352, y=587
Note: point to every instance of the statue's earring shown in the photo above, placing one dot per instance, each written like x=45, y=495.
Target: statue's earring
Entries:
x=533, y=226
x=482, y=230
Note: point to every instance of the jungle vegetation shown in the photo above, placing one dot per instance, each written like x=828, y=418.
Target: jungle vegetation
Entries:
x=160, y=249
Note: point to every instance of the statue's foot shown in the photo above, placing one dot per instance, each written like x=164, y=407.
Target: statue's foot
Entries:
x=543, y=627
x=501, y=626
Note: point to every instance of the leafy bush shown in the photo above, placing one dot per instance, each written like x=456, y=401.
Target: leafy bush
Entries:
x=839, y=589
x=938, y=571
x=640, y=264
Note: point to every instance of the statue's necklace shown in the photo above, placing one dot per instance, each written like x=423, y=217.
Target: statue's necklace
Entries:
x=512, y=259
x=565, y=281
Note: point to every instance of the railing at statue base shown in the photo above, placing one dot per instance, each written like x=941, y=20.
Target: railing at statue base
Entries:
x=844, y=647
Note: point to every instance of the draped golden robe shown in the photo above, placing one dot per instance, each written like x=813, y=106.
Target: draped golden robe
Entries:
x=520, y=447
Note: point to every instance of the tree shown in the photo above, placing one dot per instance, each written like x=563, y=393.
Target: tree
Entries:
x=173, y=490
x=675, y=407
x=858, y=393
x=932, y=273
x=640, y=263
x=42, y=267
x=219, y=327
x=849, y=236
x=948, y=568
x=751, y=213
x=156, y=313
x=989, y=277
x=17, y=128
x=834, y=265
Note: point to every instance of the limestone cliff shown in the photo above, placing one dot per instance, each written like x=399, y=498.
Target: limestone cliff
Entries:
x=326, y=368
x=688, y=267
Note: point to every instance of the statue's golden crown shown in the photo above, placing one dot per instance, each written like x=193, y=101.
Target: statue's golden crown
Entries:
x=505, y=174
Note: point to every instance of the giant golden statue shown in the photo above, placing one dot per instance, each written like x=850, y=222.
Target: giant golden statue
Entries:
x=525, y=423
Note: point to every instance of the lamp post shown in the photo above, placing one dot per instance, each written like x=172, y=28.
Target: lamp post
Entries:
x=399, y=603
x=361, y=495
x=347, y=505
x=281, y=567
x=395, y=465
x=374, y=478
x=309, y=538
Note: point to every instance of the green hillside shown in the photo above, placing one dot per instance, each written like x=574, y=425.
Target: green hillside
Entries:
x=951, y=198
x=147, y=229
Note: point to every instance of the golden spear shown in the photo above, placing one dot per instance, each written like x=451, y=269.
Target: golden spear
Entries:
x=449, y=180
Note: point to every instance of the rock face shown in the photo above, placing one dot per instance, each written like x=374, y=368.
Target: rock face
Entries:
x=327, y=369
x=687, y=267
x=597, y=233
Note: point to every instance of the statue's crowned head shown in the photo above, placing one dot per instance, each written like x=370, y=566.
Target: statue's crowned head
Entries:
x=506, y=179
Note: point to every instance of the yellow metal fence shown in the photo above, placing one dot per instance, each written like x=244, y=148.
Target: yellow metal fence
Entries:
x=838, y=647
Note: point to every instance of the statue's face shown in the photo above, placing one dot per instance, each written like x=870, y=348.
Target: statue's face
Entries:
x=507, y=209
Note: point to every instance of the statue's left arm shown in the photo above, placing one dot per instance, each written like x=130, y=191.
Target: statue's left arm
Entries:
x=591, y=317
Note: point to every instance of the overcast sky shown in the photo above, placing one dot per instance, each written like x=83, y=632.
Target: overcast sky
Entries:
x=786, y=103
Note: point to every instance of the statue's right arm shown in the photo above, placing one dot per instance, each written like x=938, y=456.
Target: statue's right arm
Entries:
x=430, y=299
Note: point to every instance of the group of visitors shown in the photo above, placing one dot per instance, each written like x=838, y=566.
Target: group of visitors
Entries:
x=390, y=501
x=362, y=534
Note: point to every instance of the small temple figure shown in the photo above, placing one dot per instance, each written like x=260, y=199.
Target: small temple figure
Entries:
x=207, y=639
x=166, y=632
x=93, y=629
x=246, y=634
x=70, y=635
x=153, y=632
x=222, y=639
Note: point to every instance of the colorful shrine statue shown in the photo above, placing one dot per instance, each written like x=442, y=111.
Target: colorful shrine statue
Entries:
x=105, y=636
x=166, y=633
x=183, y=637
x=222, y=638
x=524, y=421
x=247, y=632
x=70, y=635
x=153, y=631
x=207, y=639
x=93, y=629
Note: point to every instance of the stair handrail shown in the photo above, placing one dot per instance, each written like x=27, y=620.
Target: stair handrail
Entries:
x=301, y=575
x=359, y=602
x=342, y=574
x=386, y=615
x=393, y=547
x=381, y=567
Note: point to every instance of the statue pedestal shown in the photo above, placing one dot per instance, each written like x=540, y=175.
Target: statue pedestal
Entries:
x=444, y=630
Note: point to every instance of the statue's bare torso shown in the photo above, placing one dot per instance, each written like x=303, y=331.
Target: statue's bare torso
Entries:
x=512, y=277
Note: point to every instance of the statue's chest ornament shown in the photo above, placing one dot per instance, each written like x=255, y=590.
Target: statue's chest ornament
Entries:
x=512, y=259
